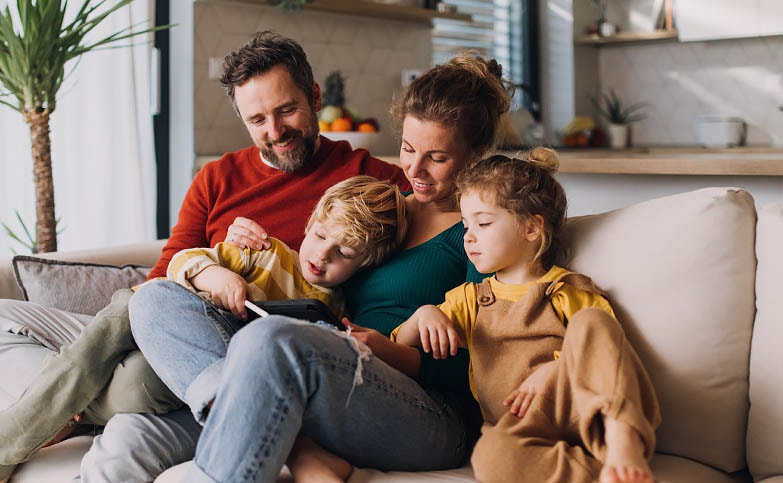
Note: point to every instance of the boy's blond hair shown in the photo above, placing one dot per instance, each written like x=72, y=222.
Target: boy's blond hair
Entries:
x=371, y=214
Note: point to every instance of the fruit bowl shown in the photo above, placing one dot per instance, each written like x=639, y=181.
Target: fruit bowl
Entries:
x=358, y=140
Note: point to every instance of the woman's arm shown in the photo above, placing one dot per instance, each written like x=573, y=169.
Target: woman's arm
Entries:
x=404, y=358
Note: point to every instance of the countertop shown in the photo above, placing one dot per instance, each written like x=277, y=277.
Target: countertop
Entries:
x=740, y=161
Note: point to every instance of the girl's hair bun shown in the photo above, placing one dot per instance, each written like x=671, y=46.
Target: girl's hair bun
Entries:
x=544, y=158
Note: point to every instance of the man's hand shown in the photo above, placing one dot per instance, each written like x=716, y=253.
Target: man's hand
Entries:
x=227, y=290
x=520, y=399
x=245, y=232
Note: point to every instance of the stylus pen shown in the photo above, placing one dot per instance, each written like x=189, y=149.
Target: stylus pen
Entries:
x=255, y=308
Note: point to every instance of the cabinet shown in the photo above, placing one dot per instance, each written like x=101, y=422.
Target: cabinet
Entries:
x=728, y=19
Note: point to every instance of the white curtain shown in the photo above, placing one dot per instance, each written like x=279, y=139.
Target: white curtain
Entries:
x=102, y=145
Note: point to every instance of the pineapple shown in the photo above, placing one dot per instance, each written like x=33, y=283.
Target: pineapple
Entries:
x=334, y=93
x=334, y=115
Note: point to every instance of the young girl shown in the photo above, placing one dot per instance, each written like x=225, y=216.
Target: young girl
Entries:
x=563, y=394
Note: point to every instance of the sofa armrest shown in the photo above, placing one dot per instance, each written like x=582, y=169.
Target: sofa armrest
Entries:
x=144, y=254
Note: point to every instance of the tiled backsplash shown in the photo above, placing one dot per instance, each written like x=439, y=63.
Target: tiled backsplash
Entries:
x=685, y=80
x=371, y=53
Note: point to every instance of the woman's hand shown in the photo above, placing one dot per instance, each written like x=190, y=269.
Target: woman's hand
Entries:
x=401, y=357
x=245, y=232
x=227, y=290
x=520, y=399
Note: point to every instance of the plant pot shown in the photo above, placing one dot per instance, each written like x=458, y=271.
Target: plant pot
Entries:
x=606, y=29
x=618, y=135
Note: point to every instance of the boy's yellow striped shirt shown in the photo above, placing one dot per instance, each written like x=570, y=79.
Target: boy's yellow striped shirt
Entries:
x=272, y=274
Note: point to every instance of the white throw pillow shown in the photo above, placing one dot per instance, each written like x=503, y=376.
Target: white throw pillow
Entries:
x=679, y=271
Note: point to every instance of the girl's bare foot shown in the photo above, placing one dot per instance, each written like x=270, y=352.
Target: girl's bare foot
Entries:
x=310, y=463
x=625, y=461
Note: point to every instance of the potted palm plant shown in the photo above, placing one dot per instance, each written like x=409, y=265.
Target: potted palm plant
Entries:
x=36, y=42
x=619, y=117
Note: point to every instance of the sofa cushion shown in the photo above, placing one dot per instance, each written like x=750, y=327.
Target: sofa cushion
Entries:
x=679, y=271
x=84, y=288
x=765, y=424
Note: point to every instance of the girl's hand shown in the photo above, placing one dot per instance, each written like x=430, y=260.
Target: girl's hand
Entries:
x=437, y=333
x=520, y=399
x=227, y=290
x=245, y=232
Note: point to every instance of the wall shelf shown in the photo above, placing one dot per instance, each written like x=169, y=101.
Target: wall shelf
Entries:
x=741, y=161
x=366, y=8
x=628, y=37
x=388, y=11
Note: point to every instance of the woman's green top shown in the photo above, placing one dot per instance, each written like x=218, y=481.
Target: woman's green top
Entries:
x=383, y=297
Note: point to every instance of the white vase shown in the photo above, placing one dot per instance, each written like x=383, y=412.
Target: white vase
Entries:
x=618, y=136
x=606, y=29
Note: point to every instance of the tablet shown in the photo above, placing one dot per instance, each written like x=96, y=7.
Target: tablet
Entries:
x=312, y=310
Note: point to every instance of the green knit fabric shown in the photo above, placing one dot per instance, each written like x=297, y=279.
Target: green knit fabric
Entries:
x=384, y=297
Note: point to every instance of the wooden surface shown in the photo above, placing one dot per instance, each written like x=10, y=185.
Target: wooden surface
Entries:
x=366, y=8
x=670, y=161
x=628, y=37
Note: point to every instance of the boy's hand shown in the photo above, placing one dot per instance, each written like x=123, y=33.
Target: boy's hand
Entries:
x=520, y=399
x=404, y=358
x=370, y=337
x=227, y=290
x=437, y=333
x=245, y=232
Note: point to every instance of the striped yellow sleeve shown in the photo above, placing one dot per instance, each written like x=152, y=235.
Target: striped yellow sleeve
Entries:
x=188, y=263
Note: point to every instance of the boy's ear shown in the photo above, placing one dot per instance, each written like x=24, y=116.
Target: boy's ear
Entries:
x=534, y=227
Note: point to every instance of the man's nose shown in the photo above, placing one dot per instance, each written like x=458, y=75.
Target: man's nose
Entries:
x=275, y=128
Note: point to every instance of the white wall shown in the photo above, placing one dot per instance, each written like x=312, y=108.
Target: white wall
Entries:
x=596, y=193
x=181, y=152
x=682, y=81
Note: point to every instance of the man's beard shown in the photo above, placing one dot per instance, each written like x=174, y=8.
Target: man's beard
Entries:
x=298, y=157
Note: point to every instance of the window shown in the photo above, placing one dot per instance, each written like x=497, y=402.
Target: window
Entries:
x=505, y=30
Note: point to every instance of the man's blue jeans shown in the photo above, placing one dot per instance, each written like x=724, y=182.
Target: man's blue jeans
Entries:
x=277, y=377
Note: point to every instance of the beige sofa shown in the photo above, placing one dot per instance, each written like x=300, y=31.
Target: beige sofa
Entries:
x=694, y=278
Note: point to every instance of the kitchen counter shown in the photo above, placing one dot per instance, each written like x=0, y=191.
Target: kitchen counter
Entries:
x=740, y=161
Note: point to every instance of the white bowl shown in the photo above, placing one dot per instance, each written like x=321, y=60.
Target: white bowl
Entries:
x=363, y=140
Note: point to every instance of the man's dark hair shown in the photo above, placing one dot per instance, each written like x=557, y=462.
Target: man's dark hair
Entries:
x=266, y=50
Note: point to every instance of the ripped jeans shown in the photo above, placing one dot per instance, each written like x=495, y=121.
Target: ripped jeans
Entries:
x=275, y=378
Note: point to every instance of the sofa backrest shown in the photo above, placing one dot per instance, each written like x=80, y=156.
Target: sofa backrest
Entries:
x=680, y=271
x=765, y=423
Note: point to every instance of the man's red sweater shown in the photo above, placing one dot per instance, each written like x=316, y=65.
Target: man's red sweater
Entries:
x=240, y=184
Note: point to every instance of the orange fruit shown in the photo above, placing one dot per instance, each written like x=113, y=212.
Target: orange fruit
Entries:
x=324, y=126
x=365, y=127
x=341, y=124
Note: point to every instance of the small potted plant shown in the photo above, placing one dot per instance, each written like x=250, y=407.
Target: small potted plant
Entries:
x=619, y=117
x=603, y=26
